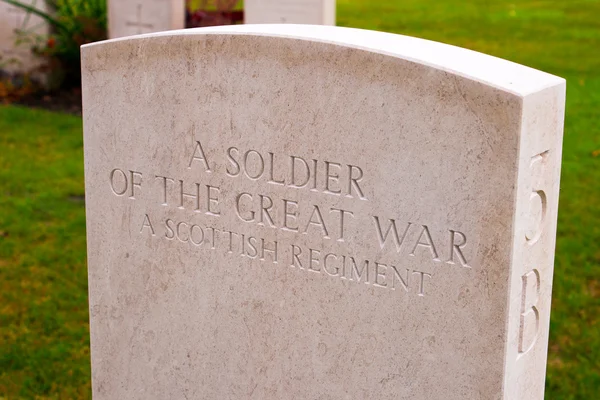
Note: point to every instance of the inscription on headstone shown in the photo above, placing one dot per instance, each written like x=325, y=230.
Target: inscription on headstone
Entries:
x=308, y=212
x=134, y=17
x=316, y=12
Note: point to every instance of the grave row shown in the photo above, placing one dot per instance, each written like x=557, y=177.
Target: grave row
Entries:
x=128, y=18
x=133, y=17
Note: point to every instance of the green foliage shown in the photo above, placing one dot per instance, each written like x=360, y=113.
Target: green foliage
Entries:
x=74, y=23
x=44, y=348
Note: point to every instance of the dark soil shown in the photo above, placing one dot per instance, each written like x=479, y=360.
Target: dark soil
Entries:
x=67, y=100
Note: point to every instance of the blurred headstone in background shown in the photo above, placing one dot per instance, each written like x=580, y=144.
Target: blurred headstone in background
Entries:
x=20, y=30
x=313, y=12
x=130, y=17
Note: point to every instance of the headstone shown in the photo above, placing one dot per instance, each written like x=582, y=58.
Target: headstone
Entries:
x=134, y=17
x=311, y=212
x=315, y=12
x=18, y=57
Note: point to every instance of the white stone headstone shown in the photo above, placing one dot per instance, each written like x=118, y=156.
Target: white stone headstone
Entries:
x=315, y=12
x=134, y=17
x=18, y=57
x=311, y=212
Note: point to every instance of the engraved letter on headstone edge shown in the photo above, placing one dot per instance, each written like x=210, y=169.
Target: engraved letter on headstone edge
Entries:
x=534, y=242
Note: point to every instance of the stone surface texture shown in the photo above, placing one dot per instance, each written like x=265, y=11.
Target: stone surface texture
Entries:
x=134, y=17
x=18, y=57
x=313, y=212
x=315, y=12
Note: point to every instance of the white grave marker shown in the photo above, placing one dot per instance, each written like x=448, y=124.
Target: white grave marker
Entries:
x=19, y=57
x=134, y=17
x=315, y=12
x=311, y=212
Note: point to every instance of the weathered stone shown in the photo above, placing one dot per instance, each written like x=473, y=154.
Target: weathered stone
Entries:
x=310, y=212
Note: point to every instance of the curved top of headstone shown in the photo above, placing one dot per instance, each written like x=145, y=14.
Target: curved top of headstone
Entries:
x=502, y=74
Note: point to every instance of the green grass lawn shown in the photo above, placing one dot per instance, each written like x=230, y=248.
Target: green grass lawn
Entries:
x=44, y=348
